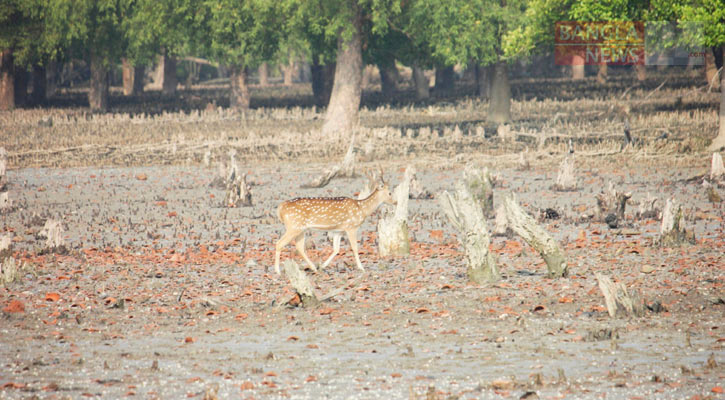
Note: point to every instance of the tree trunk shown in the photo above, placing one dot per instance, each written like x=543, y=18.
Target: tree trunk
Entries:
x=169, y=81
x=322, y=79
x=239, y=98
x=719, y=141
x=422, y=86
x=51, y=79
x=342, y=111
x=288, y=72
x=388, y=77
x=133, y=76
x=641, y=71
x=499, y=109
x=21, y=87
x=483, y=81
x=7, y=80
x=465, y=214
x=38, y=95
x=577, y=68
x=525, y=226
x=445, y=80
x=602, y=74
x=263, y=71
x=98, y=94
x=710, y=69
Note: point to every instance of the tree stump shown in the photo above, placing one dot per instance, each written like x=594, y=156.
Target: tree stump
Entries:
x=53, y=233
x=648, y=208
x=5, y=202
x=416, y=190
x=672, y=230
x=346, y=169
x=501, y=224
x=393, y=236
x=238, y=193
x=3, y=168
x=565, y=180
x=618, y=299
x=480, y=185
x=717, y=171
x=525, y=226
x=466, y=215
x=611, y=205
x=301, y=283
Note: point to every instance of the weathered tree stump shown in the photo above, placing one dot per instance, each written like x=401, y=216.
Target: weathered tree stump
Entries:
x=466, y=215
x=565, y=180
x=393, y=236
x=501, y=225
x=301, y=283
x=525, y=226
x=416, y=190
x=3, y=168
x=672, y=230
x=717, y=171
x=523, y=163
x=480, y=185
x=618, y=300
x=5, y=202
x=611, y=205
x=238, y=193
x=648, y=208
x=53, y=233
x=345, y=169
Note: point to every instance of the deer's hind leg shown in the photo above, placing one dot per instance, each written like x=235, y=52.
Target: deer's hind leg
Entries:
x=300, y=244
x=336, y=237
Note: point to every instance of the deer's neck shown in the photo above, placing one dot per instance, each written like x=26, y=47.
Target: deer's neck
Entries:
x=370, y=203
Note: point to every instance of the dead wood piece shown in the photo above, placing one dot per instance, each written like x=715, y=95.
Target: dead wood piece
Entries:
x=565, y=180
x=53, y=233
x=501, y=225
x=3, y=167
x=301, y=283
x=393, y=236
x=523, y=163
x=341, y=289
x=480, y=184
x=5, y=202
x=238, y=193
x=466, y=215
x=345, y=169
x=618, y=300
x=526, y=227
x=648, y=208
x=672, y=230
x=9, y=271
x=717, y=171
x=611, y=205
x=416, y=190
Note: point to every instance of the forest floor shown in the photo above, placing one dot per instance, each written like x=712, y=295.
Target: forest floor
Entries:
x=163, y=292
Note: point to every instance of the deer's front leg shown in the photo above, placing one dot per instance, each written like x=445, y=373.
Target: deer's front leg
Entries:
x=352, y=238
x=300, y=244
x=283, y=241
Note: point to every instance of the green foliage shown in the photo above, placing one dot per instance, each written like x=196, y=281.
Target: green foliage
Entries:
x=536, y=32
x=22, y=30
x=711, y=15
x=239, y=33
x=156, y=26
x=457, y=31
x=85, y=26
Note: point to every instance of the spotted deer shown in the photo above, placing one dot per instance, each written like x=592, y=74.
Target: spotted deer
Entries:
x=336, y=214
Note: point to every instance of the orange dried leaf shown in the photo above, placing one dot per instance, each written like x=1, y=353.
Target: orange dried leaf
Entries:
x=52, y=296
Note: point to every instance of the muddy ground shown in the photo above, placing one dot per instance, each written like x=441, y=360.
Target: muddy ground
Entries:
x=164, y=293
